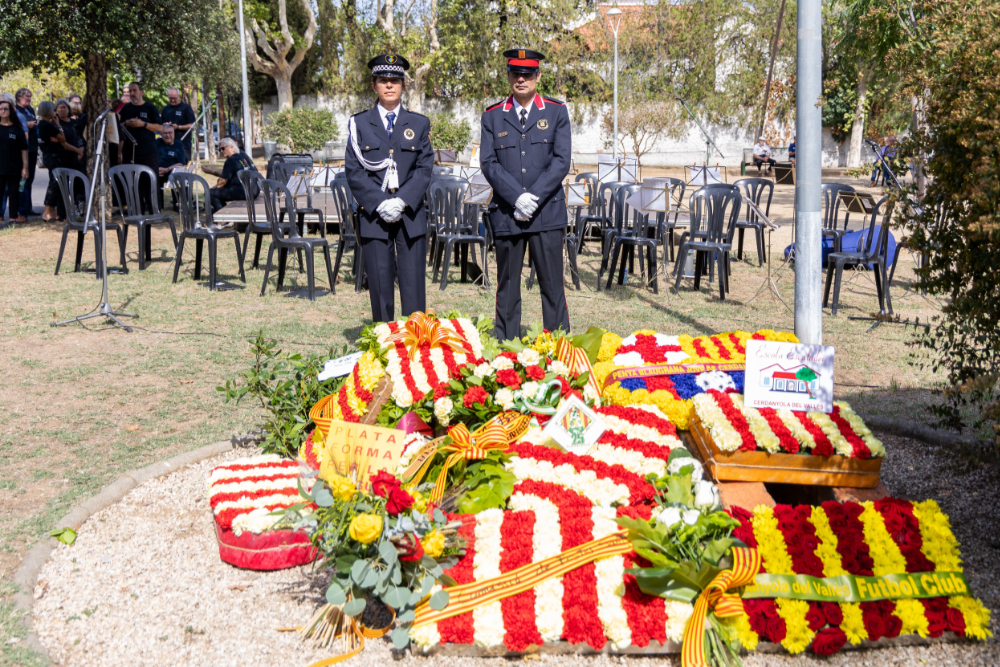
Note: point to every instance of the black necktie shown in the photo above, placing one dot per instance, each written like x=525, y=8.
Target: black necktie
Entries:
x=524, y=117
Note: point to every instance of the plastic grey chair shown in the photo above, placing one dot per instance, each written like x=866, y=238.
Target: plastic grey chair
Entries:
x=286, y=237
x=631, y=237
x=664, y=225
x=453, y=233
x=348, y=232
x=196, y=217
x=831, y=213
x=873, y=254
x=76, y=220
x=714, y=212
x=435, y=220
x=600, y=213
x=753, y=189
x=250, y=180
x=128, y=182
x=614, y=207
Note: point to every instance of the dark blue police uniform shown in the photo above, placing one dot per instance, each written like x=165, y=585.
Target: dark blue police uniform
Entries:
x=534, y=159
x=400, y=247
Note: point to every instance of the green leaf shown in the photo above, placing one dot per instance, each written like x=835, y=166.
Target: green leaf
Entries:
x=439, y=600
x=388, y=552
x=447, y=581
x=400, y=638
x=322, y=495
x=716, y=549
x=415, y=597
x=426, y=584
x=396, y=574
x=335, y=594
x=439, y=516
x=371, y=578
x=358, y=571
x=679, y=490
x=396, y=597
x=407, y=616
x=64, y=535
x=345, y=562
x=354, y=607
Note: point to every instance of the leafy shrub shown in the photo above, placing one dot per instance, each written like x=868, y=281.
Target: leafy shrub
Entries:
x=287, y=387
x=448, y=132
x=301, y=128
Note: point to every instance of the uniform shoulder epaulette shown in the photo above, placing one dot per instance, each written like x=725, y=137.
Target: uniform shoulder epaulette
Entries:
x=554, y=100
x=496, y=104
x=416, y=114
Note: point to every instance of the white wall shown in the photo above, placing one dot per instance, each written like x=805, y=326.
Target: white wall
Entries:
x=587, y=139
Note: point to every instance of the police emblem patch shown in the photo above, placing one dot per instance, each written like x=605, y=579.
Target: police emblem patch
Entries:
x=520, y=54
x=543, y=124
x=391, y=60
x=408, y=133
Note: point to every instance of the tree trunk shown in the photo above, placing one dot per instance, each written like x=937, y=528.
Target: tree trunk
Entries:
x=920, y=127
x=858, y=127
x=210, y=154
x=284, y=84
x=95, y=102
x=220, y=103
x=415, y=89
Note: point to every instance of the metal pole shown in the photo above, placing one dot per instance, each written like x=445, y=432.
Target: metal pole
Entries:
x=247, y=128
x=809, y=174
x=615, y=142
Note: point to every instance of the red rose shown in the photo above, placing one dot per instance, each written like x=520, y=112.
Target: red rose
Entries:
x=398, y=501
x=383, y=483
x=474, y=395
x=815, y=618
x=509, y=378
x=936, y=623
x=535, y=372
x=441, y=391
x=509, y=355
x=776, y=628
x=956, y=622
x=874, y=626
x=832, y=611
x=410, y=549
x=893, y=626
x=828, y=641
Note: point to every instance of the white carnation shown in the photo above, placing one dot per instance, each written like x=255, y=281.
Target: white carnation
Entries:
x=716, y=380
x=442, y=409
x=669, y=517
x=559, y=368
x=483, y=370
x=589, y=393
x=529, y=389
x=528, y=357
x=683, y=461
x=505, y=398
x=502, y=363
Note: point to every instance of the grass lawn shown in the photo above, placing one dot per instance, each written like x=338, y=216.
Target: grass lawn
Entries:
x=82, y=405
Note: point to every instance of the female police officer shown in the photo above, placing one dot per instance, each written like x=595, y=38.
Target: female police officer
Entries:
x=389, y=162
x=525, y=156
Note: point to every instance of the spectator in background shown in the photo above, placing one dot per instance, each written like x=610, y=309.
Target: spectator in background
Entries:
x=51, y=140
x=229, y=188
x=13, y=158
x=29, y=122
x=141, y=121
x=762, y=155
x=73, y=149
x=171, y=155
x=181, y=116
x=3, y=191
x=888, y=153
x=791, y=150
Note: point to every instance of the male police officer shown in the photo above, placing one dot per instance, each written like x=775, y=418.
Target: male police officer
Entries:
x=525, y=146
x=389, y=162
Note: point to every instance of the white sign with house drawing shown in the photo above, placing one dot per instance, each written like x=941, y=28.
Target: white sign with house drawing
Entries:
x=788, y=375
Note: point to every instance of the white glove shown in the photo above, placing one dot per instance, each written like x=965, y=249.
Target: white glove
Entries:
x=520, y=216
x=391, y=210
x=526, y=205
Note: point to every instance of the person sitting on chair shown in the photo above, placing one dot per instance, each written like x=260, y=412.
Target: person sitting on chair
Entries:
x=762, y=154
x=171, y=156
x=228, y=188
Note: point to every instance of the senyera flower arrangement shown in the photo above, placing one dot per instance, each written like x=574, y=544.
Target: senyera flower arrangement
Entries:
x=386, y=547
x=684, y=545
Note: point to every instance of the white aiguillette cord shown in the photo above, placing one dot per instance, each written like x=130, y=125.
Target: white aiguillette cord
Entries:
x=391, y=179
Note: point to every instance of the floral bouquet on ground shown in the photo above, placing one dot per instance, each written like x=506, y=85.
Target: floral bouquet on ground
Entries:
x=672, y=393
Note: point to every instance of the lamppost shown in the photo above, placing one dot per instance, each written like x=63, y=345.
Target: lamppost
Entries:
x=615, y=14
x=247, y=130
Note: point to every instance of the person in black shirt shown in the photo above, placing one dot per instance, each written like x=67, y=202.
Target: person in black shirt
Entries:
x=229, y=187
x=72, y=157
x=171, y=155
x=23, y=99
x=51, y=140
x=140, y=121
x=181, y=116
x=13, y=158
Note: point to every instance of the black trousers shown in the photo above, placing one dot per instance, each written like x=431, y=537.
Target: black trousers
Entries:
x=8, y=192
x=222, y=196
x=25, y=208
x=547, y=258
x=760, y=162
x=384, y=259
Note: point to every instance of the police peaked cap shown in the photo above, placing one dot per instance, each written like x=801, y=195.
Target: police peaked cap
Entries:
x=389, y=65
x=523, y=61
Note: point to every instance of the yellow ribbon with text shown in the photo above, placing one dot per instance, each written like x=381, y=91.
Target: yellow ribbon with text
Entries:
x=716, y=597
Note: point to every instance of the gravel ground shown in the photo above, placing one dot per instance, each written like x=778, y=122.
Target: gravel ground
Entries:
x=143, y=585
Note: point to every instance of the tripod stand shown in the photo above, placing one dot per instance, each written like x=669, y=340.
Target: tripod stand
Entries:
x=104, y=309
x=772, y=281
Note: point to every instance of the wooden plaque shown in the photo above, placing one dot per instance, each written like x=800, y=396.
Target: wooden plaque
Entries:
x=783, y=468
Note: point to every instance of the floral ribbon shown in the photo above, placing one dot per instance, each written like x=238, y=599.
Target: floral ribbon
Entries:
x=577, y=361
x=652, y=370
x=318, y=414
x=716, y=597
x=425, y=329
x=478, y=593
x=496, y=434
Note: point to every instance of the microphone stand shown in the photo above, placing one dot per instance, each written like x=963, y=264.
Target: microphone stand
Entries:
x=104, y=309
x=709, y=144
x=887, y=170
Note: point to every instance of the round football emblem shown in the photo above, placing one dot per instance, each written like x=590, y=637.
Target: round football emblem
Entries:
x=408, y=133
x=391, y=60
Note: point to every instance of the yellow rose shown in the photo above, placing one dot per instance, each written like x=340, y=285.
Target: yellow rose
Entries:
x=419, y=501
x=366, y=528
x=342, y=488
x=433, y=544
